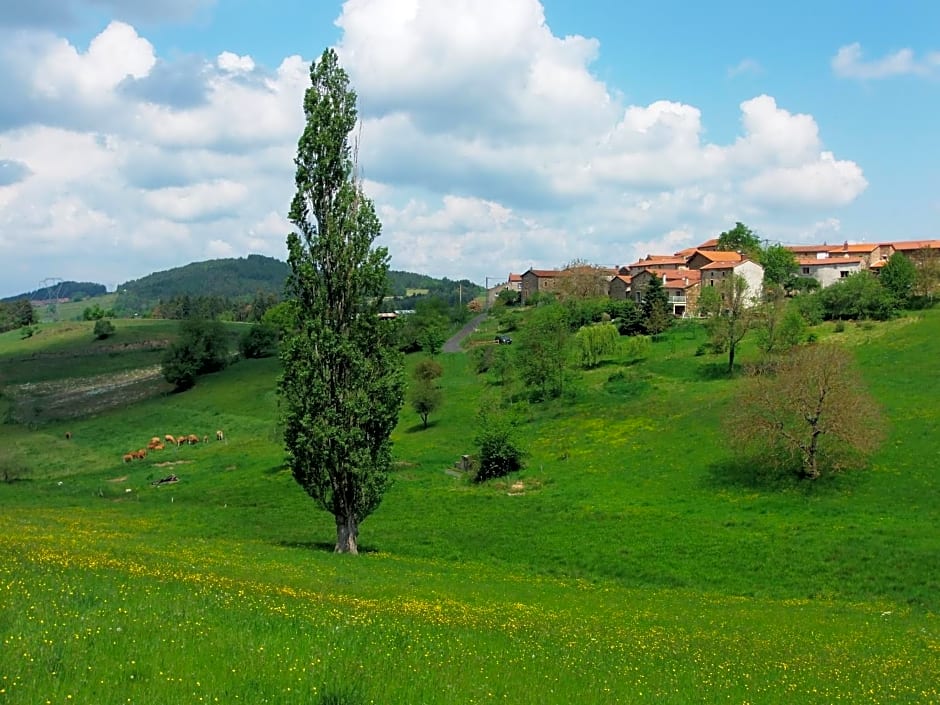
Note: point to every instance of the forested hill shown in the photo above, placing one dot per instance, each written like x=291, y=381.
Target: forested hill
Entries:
x=62, y=290
x=228, y=278
x=241, y=279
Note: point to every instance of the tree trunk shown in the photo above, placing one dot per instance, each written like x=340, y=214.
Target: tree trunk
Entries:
x=731, y=358
x=347, y=535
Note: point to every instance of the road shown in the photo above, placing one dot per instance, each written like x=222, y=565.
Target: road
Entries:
x=453, y=345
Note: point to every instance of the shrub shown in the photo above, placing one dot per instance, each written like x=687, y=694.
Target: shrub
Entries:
x=201, y=348
x=258, y=341
x=498, y=450
x=103, y=329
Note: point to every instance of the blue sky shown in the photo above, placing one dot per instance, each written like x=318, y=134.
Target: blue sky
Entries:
x=497, y=134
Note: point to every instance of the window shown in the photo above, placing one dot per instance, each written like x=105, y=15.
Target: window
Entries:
x=843, y=274
x=805, y=270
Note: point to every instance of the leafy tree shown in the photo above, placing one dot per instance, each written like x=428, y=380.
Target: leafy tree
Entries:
x=16, y=314
x=342, y=385
x=928, y=272
x=657, y=316
x=282, y=317
x=898, y=277
x=201, y=348
x=809, y=417
x=778, y=323
x=260, y=340
x=508, y=297
x=740, y=239
x=858, y=296
x=103, y=329
x=543, y=351
x=730, y=314
x=594, y=341
x=426, y=397
x=779, y=265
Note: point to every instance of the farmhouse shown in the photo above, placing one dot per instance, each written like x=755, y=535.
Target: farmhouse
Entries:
x=828, y=270
x=716, y=272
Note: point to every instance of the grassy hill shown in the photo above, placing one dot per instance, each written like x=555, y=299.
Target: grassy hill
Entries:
x=625, y=563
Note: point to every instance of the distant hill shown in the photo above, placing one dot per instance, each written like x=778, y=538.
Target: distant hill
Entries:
x=241, y=279
x=64, y=290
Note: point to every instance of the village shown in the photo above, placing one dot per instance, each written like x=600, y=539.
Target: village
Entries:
x=684, y=273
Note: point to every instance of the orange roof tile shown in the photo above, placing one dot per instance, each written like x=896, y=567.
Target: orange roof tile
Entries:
x=826, y=261
x=515, y=277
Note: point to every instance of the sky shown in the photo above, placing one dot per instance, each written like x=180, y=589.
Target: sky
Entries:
x=495, y=135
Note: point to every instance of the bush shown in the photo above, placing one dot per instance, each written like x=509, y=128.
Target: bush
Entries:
x=103, y=329
x=258, y=341
x=498, y=449
x=201, y=348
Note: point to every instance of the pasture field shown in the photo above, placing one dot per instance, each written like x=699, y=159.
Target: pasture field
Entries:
x=73, y=310
x=631, y=561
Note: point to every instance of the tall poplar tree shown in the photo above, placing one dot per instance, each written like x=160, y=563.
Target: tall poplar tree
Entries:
x=342, y=385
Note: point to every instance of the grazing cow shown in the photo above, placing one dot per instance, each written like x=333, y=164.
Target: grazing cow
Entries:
x=205, y=439
x=128, y=457
x=68, y=435
x=141, y=454
x=159, y=446
x=169, y=439
x=193, y=439
x=155, y=440
x=219, y=436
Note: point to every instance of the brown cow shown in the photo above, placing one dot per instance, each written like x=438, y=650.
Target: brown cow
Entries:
x=141, y=454
x=128, y=457
x=193, y=439
x=159, y=446
x=169, y=439
x=155, y=440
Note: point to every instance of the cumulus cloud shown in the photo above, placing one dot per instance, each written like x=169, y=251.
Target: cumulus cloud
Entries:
x=849, y=63
x=486, y=140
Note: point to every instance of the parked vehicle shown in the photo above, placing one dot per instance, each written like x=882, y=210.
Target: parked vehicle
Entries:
x=503, y=340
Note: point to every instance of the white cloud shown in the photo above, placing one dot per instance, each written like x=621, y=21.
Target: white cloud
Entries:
x=227, y=61
x=848, y=63
x=487, y=143
x=745, y=67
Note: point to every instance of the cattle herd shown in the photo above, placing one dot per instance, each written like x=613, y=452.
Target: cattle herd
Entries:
x=157, y=443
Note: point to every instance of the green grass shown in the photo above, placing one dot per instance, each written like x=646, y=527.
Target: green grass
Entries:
x=630, y=561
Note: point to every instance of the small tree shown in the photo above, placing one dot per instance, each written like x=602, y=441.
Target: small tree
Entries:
x=594, y=341
x=202, y=348
x=499, y=450
x=778, y=324
x=730, y=315
x=103, y=329
x=810, y=417
x=657, y=316
x=898, y=277
x=260, y=340
x=426, y=394
x=542, y=354
x=426, y=397
x=779, y=265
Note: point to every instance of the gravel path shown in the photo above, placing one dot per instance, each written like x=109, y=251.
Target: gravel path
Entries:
x=453, y=345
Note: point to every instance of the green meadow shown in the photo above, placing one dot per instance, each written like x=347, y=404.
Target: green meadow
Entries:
x=632, y=560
